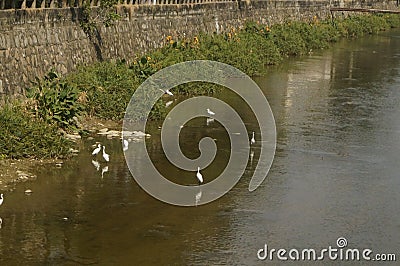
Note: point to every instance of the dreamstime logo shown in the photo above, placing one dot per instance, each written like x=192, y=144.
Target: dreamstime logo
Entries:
x=150, y=91
x=342, y=252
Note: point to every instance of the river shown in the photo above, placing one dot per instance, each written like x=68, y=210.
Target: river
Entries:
x=335, y=174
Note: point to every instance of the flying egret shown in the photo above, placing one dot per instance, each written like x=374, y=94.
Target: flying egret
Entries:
x=210, y=112
x=105, y=155
x=96, y=165
x=1, y=198
x=253, y=140
x=199, y=175
x=167, y=92
x=125, y=145
x=97, y=150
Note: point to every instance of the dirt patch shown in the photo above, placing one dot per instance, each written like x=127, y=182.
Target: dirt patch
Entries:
x=96, y=124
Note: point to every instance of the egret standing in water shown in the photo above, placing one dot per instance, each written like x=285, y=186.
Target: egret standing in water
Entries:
x=97, y=150
x=253, y=140
x=210, y=112
x=199, y=175
x=105, y=155
x=1, y=198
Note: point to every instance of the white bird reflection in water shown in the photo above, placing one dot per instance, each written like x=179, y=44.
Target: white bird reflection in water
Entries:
x=1, y=222
x=198, y=197
x=209, y=120
x=251, y=157
x=104, y=170
x=167, y=104
x=125, y=145
x=96, y=165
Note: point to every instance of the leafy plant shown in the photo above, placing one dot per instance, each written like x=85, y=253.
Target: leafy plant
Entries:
x=55, y=101
x=22, y=135
x=90, y=17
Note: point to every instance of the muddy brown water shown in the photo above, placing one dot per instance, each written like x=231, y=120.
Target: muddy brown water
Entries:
x=335, y=174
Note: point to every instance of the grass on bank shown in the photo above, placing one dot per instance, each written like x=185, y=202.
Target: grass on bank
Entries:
x=104, y=89
x=22, y=135
x=110, y=85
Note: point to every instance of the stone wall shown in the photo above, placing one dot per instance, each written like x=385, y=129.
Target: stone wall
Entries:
x=33, y=41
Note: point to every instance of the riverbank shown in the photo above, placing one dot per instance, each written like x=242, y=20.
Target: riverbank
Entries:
x=35, y=129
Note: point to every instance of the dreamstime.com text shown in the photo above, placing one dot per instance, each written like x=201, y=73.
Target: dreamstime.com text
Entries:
x=338, y=253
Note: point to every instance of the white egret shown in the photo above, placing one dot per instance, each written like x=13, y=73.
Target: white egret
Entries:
x=1, y=198
x=210, y=112
x=253, y=140
x=167, y=92
x=104, y=170
x=97, y=150
x=105, y=155
x=96, y=165
x=125, y=145
x=199, y=175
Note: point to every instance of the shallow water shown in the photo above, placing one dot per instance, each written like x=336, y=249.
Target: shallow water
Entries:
x=335, y=174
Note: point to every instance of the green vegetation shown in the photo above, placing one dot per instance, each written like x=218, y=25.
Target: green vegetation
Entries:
x=104, y=89
x=23, y=136
x=55, y=101
x=109, y=85
x=90, y=18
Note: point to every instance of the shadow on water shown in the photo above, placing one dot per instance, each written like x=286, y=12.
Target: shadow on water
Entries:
x=335, y=174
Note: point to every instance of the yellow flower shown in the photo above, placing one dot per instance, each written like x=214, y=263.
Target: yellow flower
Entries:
x=196, y=40
x=148, y=58
x=171, y=41
x=169, y=38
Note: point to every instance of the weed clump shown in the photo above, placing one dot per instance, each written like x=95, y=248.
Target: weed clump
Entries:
x=22, y=135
